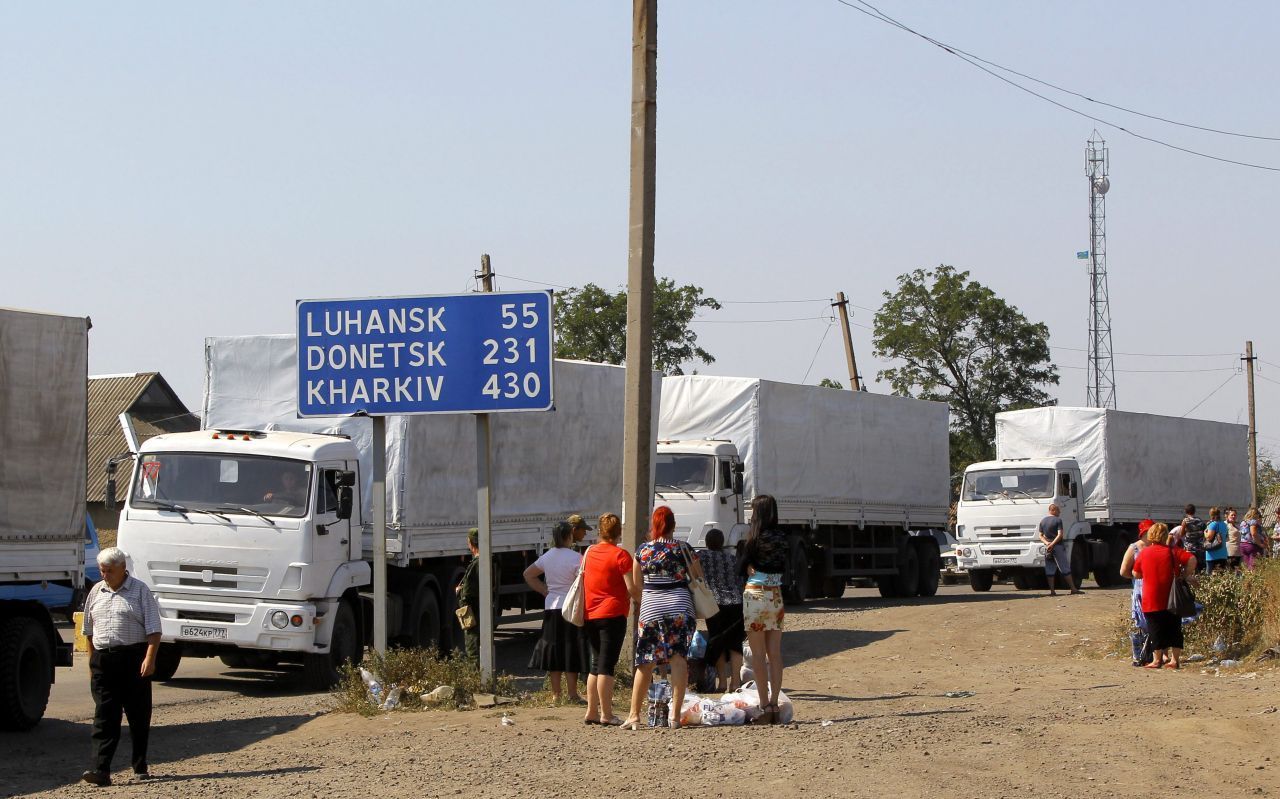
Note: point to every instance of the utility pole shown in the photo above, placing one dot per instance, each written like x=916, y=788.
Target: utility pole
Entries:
x=843, y=305
x=638, y=433
x=1253, y=429
x=637, y=427
x=1101, y=374
x=484, y=526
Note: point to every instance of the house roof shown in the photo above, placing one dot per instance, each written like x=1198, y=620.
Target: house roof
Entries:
x=153, y=408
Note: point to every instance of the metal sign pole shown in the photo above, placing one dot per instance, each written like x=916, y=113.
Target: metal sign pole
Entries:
x=379, y=501
x=486, y=548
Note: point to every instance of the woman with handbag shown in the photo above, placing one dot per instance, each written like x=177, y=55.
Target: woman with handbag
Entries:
x=560, y=651
x=606, y=586
x=764, y=560
x=1159, y=567
x=665, y=620
x=725, y=630
x=1253, y=541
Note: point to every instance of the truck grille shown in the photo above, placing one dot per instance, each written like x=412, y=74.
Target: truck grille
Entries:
x=188, y=576
x=196, y=615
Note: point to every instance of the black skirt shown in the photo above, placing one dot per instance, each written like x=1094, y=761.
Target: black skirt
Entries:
x=561, y=647
x=1165, y=629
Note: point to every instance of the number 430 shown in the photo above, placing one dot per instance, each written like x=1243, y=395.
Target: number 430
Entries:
x=515, y=387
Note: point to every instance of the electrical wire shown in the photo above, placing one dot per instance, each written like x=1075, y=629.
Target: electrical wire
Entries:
x=1156, y=354
x=770, y=302
x=814, y=359
x=1211, y=393
x=761, y=321
x=886, y=18
x=1161, y=371
x=974, y=62
x=1268, y=379
x=536, y=282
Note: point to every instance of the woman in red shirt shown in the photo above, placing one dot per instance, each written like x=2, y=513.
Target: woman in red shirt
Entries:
x=1157, y=565
x=606, y=585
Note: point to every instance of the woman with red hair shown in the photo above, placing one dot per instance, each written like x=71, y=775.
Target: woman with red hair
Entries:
x=665, y=622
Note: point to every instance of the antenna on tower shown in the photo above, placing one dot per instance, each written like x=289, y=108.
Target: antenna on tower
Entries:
x=1101, y=375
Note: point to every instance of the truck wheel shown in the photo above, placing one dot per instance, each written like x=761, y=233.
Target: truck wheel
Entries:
x=167, y=660
x=888, y=585
x=930, y=567
x=797, y=588
x=1080, y=561
x=26, y=673
x=424, y=631
x=981, y=580
x=908, y=577
x=1020, y=580
x=324, y=671
x=835, y=587
x=235, y=660
x=1108, y=574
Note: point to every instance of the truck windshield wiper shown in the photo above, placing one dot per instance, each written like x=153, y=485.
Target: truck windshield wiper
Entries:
x=164, y=504
x=677, y=488
x=211, y=513
x=1020, y=491
x=266, y=519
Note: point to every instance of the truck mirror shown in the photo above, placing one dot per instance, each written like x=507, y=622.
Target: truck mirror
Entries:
x=1074, y=491
x=110, y=499
x=737, y=481
x=345, y=496
x=344, y=479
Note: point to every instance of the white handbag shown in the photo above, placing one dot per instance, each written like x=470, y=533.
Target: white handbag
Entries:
x=574, y=608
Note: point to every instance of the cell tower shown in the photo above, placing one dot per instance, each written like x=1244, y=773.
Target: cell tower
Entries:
x=1101, y=373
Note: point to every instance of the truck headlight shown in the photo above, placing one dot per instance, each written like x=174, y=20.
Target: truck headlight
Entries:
x=279, y=619
x=1042, y=550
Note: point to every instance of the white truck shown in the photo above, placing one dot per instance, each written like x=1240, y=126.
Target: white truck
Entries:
x=858, y=477
x=43, y=396
x=257, y=541
x=1106, y=470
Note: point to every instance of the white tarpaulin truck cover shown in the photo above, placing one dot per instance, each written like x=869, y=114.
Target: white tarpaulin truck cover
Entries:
x=44, y=363
x=1135, y=465
x=544, y=464
x=854, y=454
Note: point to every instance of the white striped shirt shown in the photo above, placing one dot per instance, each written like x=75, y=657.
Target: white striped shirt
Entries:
x=122, y=617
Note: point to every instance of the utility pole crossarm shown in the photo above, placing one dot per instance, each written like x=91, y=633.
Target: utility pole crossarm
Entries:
x=843, y=304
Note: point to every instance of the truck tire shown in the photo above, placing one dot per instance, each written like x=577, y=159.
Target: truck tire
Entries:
x=1108, y=574
x=981, y=579
x=1020, y=580
x=908, y=577
x=167, y=660
x=26, y=673
x=323, y=671
x=930, y=566
x=888, y=585
x=835, y=587
x=235, y=660
x=424, y=619
x=797, y=588
x=1079, y=561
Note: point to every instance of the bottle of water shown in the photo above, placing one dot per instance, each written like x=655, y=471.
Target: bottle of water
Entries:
x=372, y=685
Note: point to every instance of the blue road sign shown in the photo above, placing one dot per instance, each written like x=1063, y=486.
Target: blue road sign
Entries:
x=466, y=353
x=1082, y=254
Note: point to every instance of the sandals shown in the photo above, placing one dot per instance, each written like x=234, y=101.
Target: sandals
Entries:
x=768, y=715
x=633, y=724
x=1155, y=664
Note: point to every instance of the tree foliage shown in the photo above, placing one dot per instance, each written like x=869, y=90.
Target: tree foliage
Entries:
x=591, y=325
x=828, y=382
x=959, y=343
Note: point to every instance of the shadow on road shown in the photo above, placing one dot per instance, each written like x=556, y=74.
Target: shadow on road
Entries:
x=55, y=752
x=865, y=600
x=801, y=645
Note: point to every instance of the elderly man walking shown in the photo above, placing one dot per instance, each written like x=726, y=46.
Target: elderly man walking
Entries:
x=122, y=625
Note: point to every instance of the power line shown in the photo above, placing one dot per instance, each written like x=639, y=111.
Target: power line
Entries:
x=1235, y=369
x=760, y=321
x=770, y=302
x=973, y=61
x=814, y=359
x=1158, y=354
x=1261, y=376
x=884, y=17
x=535, y=282
x=1211, y=393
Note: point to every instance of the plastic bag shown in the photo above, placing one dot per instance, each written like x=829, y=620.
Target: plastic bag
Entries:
x=751, y=699
x=698, y=649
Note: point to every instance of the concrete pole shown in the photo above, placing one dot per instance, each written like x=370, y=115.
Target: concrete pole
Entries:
x=1253, y=429
x=843, y=305
x=637, y=428
x=638, y=433
x=379, y=507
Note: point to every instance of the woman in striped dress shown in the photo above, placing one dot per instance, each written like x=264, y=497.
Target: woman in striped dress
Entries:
x=666, y=623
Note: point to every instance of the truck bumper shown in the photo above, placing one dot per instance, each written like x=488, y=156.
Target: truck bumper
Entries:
x=1002, y=555
x=246, y=625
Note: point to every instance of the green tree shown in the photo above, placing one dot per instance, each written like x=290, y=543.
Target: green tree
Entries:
x=827, y=382
x=591, y=325
x=959, y=343
x=1268, y=478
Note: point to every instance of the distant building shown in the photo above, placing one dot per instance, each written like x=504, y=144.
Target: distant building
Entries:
x=153, y=409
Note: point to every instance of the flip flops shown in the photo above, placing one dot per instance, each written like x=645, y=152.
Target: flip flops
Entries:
x=1154, y=665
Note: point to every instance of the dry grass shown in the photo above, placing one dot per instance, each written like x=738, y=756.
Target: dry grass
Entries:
x=1240, y=608
x=415, y=672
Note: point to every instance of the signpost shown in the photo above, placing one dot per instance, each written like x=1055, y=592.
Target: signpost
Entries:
x=468, y=353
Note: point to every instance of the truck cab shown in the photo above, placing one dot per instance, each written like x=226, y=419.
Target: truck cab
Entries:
x=998, y=517
x=249, y=543
x=701, y=481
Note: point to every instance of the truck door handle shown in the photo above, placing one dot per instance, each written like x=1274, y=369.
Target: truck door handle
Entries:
x=343, y=541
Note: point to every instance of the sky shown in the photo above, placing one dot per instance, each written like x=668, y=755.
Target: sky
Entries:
x=177, y=171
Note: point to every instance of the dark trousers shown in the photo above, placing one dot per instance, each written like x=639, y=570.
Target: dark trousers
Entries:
x=117, y=688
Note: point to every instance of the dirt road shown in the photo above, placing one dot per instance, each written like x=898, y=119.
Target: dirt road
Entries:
x=1050, y=717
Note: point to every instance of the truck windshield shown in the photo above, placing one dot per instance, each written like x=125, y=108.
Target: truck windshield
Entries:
x=1005, y=483
x=227, y=484
x=691, y=473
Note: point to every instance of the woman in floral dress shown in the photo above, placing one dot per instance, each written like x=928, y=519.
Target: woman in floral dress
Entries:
x=666, y=623
x=764, y=558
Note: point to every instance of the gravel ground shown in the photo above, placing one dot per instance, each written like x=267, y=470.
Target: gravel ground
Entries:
x=1052, y=715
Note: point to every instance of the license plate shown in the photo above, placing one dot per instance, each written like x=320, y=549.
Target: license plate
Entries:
x=190, y=631
x=1004, y=560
